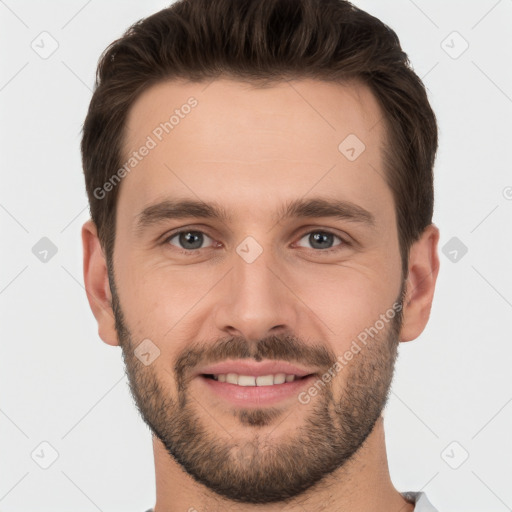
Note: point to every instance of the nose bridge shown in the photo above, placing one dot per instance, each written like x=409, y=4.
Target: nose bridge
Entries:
x=254, y=300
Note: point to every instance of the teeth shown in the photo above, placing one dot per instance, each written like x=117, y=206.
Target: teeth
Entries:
x=246, y=380
x=232, y=378
x=265, y=380
x=279, y=378
x=250, y=380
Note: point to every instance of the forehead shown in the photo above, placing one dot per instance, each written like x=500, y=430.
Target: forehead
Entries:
x=209, y=139
x=310, y=108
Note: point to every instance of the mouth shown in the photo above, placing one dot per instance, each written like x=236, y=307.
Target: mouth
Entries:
x=251, y=391
x=255, y=380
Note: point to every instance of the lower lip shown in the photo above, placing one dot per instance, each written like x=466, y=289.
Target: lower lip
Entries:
x=256, y=396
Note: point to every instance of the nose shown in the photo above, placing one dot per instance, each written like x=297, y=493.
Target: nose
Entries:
x=255, y=300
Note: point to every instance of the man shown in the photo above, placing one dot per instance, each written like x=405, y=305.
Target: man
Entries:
x=260, y=180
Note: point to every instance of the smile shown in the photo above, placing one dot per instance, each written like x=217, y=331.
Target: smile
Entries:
x=252, y=380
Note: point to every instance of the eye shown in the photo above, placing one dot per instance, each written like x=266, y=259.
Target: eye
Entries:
x=188, y=239
x=322, y=240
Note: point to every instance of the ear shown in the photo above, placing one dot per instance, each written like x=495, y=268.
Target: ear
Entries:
x=97, y=285
x=421, y=282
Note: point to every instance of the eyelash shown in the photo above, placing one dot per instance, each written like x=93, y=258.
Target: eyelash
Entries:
x=191, y=252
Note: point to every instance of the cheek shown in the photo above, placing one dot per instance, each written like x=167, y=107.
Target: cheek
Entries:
x=158, y=301
x=350, y=298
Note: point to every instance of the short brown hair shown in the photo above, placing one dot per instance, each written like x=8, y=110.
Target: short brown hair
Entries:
x=264, y=42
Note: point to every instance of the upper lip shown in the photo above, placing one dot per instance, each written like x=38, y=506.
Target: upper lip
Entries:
x=243, y=367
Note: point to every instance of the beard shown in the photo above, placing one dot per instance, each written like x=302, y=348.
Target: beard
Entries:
x=245, y=466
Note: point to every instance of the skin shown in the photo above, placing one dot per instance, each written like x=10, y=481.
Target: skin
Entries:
x=252, y=150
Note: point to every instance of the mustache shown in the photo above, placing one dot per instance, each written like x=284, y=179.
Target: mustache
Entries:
x=285, y=348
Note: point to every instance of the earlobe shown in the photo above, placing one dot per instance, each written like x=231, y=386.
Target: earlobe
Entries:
x=97, y=284
x=421, y=282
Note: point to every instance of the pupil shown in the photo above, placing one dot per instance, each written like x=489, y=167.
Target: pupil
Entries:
x=319, y=239
x=191, y=237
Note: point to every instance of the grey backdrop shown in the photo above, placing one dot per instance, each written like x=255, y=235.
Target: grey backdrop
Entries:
x=70, y=436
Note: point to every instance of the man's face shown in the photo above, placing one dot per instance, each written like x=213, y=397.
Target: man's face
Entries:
x=258, y=286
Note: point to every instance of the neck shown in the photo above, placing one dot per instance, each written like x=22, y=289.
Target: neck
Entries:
x=362, y=484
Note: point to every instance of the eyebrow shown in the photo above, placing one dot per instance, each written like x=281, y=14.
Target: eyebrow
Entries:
x=299, y=208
